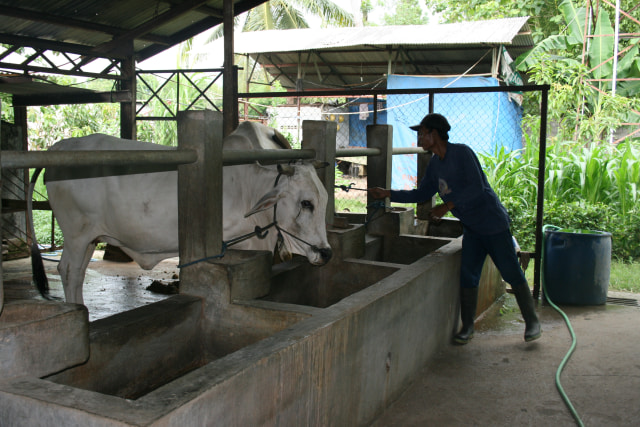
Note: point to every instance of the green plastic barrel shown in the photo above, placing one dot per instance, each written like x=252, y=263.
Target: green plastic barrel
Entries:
x=576, y=265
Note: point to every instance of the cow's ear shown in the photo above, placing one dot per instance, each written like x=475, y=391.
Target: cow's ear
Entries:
x=267, y=201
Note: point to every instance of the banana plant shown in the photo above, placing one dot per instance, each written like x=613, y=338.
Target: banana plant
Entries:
x=565, y=47
x=557, y=60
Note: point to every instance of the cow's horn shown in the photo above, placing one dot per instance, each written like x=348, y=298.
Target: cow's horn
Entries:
x=318, y=164
x=287, y=170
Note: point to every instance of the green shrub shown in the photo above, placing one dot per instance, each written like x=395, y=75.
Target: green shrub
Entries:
x=595, y=188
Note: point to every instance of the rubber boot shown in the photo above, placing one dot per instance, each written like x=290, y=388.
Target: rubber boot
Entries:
x=532, y=329
x=468, y=304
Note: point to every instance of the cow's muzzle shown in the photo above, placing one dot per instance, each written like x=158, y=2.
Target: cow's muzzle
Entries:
x=325, y=255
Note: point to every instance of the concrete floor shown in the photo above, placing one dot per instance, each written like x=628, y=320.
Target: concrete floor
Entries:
x=499, y=380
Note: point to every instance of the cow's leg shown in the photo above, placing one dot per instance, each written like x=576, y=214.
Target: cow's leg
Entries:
x=73, y=267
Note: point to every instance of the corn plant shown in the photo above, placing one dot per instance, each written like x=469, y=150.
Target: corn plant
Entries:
x=585, y=187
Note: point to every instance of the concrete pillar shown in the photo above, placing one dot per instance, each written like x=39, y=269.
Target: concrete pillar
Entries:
x=379, y=167
x=200, y=185
x=320, y=135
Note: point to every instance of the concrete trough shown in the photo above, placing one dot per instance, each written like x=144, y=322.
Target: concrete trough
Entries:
x=31, y=339
x=177, y=363
x=364, y=260
x=248, y=345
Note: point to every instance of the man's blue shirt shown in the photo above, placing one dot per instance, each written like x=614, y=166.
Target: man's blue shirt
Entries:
x=459, y=178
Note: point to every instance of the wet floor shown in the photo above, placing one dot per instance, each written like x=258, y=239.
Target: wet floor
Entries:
x=109, y=287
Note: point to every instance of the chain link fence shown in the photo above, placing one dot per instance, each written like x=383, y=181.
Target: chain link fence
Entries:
x=486, y=119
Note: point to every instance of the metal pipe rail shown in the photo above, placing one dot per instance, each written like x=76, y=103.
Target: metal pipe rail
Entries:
x=408, y=150
x=43, y=159
x=239, y=157
x=357, y=152
x=174, y=157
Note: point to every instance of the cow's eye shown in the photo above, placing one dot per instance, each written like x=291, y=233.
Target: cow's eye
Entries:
x=306, y=204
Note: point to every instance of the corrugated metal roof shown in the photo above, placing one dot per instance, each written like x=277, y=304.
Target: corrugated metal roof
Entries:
x=499, y=31
x=107, y=28
x=90, y=38
x=362, y=57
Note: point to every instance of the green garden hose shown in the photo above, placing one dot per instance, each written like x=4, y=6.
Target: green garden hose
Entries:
x=564, y=396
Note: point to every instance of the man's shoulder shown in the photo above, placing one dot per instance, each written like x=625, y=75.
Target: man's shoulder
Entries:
x=459, y=146
x=460, y=149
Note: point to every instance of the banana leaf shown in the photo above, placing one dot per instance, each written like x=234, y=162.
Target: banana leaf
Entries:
x=601, y=47
x=575, y=19
x=629, y=67
x=553, y=43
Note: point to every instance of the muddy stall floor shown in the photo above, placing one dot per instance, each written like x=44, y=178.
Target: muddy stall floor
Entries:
x=109, y=287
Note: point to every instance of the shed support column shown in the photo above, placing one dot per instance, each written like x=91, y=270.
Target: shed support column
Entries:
x=230, y=73
x=379, y=167
x=1, y=224
x=200, y=185
x=320, y=135
x=128, y=109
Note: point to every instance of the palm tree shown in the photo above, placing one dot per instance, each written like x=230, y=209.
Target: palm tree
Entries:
x=290, y=14
x=277, y=15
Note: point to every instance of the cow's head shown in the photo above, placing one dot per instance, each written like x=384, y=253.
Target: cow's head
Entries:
x=301, y=208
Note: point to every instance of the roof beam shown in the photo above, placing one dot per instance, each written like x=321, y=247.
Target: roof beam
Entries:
x=312, y=65
x=48, y=18
x=71, y=98
x=416, y=67
x=52, y=45
x=37, y=69
x=334, y=71
x=292, y=80
x=149, y=26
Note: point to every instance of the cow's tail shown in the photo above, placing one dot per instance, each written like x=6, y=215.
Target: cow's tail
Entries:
x=37, y=265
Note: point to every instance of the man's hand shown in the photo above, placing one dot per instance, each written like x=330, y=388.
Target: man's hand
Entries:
x=379, y=193
x=438, y=212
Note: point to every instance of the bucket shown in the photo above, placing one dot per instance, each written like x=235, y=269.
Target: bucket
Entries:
x=576, y=265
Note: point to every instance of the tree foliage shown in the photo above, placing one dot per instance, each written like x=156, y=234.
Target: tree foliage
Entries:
x=404, y=12
x=544, y=20
x=289, y=14
x=582, y=103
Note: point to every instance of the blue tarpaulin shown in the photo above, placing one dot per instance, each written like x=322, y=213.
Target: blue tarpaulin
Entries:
x=484, y=121
x=362, y=116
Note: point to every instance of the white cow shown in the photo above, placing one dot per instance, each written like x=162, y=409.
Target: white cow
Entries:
x=139, y=212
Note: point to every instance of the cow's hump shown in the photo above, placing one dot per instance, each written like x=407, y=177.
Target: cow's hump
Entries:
x=255, y=136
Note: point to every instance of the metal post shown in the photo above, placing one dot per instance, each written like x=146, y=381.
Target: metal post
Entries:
x=1, y=223
x=540, y=201
x=614, y=76
x=375, y=109
x=230, y=75
x=128, y=109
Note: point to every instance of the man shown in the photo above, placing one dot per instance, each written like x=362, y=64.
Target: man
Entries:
x=454, y=172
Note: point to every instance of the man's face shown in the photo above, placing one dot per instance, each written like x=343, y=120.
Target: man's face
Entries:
x=425, y=138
